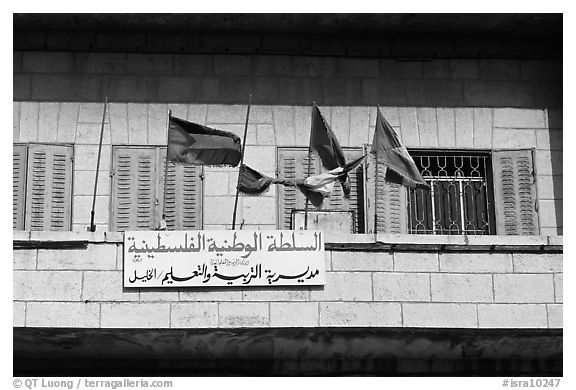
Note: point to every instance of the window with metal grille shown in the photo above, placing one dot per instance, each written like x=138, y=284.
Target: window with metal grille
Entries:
x=460, y=198
x=42, y=186
x=138, y=190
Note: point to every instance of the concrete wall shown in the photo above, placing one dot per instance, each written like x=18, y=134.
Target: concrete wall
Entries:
x=456, y=283
x=285, y=125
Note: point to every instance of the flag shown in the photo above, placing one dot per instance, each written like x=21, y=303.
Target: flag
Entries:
x=390, y=151
x=324, y=142
x=252, y=182
x=191, y=143
x=316, y=188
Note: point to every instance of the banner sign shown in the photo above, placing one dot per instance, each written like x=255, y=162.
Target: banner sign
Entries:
x=200, y=258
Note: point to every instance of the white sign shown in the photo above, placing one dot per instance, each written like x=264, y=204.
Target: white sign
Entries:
x=199, y=258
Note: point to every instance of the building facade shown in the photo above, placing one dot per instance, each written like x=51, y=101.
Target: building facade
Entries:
x=465, y=279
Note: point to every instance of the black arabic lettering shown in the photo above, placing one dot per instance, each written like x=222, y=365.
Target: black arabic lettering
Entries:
x=167, y=277
x=135, y=278
x=275, y=277
x=148, y=274
x=256, y=273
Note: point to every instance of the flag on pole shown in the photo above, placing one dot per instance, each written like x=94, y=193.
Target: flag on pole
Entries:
x=315, y=188
x=390, y=151
x=324, y=142
x=192, y=143
x=252, y=182
x=318, y=187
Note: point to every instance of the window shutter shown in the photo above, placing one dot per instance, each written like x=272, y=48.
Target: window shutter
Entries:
x=514, y=192
x=49, y=187
x=183, y=195
x=293, y=164
x=19, y=153
x=389, y=201
x=134, y=188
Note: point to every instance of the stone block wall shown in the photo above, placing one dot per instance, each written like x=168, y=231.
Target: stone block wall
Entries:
x=273, y=126
x=293, y=78
x=437, y=288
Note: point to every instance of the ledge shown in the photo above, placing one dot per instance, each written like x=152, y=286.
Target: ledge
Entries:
x=336, y=242
x=62, y=240
x=424, y=243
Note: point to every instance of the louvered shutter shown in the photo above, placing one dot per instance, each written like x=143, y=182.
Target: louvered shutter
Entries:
x=49, y=187
x=183, y=195
x=134, y=188
x=19, y=153
x=338, y=202
x=514, y=192
x=385, y=202
x=293, y=164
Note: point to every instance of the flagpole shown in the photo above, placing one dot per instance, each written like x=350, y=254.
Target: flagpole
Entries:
x=92, y=225
x=241, y=162
x=163, y=224
x=376, y=197
x=309, y=164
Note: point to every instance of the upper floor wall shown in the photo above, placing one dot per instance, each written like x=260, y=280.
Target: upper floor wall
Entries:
x=429, y=60
x=271, y=127
x=75, y=76
x=442, y=83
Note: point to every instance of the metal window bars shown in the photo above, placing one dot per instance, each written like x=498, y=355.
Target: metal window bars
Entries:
x=458, y=201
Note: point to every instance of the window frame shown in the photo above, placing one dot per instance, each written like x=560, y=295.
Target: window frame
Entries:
x=158, y=186
x=488, y=180
x=70, y=206
x=513, y=187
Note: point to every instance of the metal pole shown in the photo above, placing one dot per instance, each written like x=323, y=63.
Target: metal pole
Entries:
x=376, y=196
x=163, y=221
x=92, y=225
x=375, y=178
x=309, y=165
x=241, y=162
